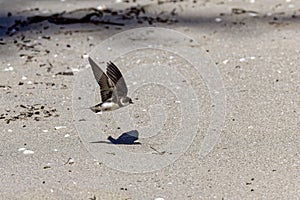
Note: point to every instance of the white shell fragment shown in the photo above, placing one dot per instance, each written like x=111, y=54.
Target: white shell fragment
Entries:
x=218, y=19
x=242, y=59
x=101, y=7
x=28, y=152
x=22, y=149
x=225, y=61
x=75, y=69
x=85, y=55
x=71, y=161
x=59, y=127
x=7, y=69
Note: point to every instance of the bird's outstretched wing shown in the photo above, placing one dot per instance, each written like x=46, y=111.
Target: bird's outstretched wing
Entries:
x=115, y=75
x=106, y=88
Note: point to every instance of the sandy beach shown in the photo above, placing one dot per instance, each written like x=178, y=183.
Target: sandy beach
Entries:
x=215, y=86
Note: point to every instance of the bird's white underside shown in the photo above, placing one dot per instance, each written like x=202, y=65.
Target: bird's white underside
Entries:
x=109, y=105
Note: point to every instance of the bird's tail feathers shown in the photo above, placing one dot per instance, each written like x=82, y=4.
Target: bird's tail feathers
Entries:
x=93, y=108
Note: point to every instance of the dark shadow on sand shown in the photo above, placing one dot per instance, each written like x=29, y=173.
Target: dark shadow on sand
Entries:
x=128, y=138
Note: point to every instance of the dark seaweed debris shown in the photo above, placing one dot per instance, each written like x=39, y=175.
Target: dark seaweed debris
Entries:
x=35, y=112
x=65, y=73
x=94, y=16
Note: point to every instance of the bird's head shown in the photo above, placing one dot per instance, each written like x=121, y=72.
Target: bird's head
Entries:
x=126, y=101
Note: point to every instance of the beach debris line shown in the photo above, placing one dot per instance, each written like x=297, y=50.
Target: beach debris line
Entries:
x=105, y=16
x=25, y=112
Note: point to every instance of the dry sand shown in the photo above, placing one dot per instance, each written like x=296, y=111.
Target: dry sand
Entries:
x=256, y=50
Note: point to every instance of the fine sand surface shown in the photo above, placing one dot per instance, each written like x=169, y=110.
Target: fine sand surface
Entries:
x=240, y=140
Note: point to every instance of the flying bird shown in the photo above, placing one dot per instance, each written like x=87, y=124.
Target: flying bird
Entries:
x=113, y=88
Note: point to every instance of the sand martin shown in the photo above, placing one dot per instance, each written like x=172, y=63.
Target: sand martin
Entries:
x=113, y=88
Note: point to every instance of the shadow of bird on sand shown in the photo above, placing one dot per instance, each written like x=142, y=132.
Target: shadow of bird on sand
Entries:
x=128, y=138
